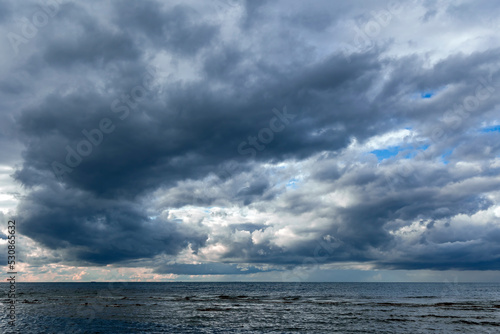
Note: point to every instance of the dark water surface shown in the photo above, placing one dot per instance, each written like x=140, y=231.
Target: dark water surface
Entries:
x=255, y=308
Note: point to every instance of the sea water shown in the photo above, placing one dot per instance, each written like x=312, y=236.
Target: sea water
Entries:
x=254, y=308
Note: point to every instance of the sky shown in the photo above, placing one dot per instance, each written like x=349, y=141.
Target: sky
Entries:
x=233, y=140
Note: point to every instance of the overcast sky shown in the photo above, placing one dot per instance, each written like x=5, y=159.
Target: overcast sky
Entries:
x=252, y=140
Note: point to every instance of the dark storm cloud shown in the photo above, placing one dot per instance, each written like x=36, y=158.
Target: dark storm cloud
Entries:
x=207, y=132
x=95, y=46
x=177, y=29
x=5, y=11
x=96, y=230
x=211, y=121
x=454, y=255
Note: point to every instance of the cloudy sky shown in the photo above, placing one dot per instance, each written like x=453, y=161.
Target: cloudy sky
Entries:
x=252, y=140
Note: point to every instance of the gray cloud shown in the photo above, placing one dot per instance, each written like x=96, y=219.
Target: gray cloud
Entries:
x=207, y=133
x=96, y=230
x=207, y=269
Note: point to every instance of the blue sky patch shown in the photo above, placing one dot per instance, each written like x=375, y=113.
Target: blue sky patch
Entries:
x=445, y=155
x=394, y=150
x=495, y=128
x=292, y=184
x=426, y=94
x=387, y=153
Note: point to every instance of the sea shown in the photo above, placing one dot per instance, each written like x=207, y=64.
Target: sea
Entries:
x=253, y=308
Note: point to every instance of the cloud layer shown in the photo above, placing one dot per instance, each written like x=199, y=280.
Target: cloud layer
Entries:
x=240, y=137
